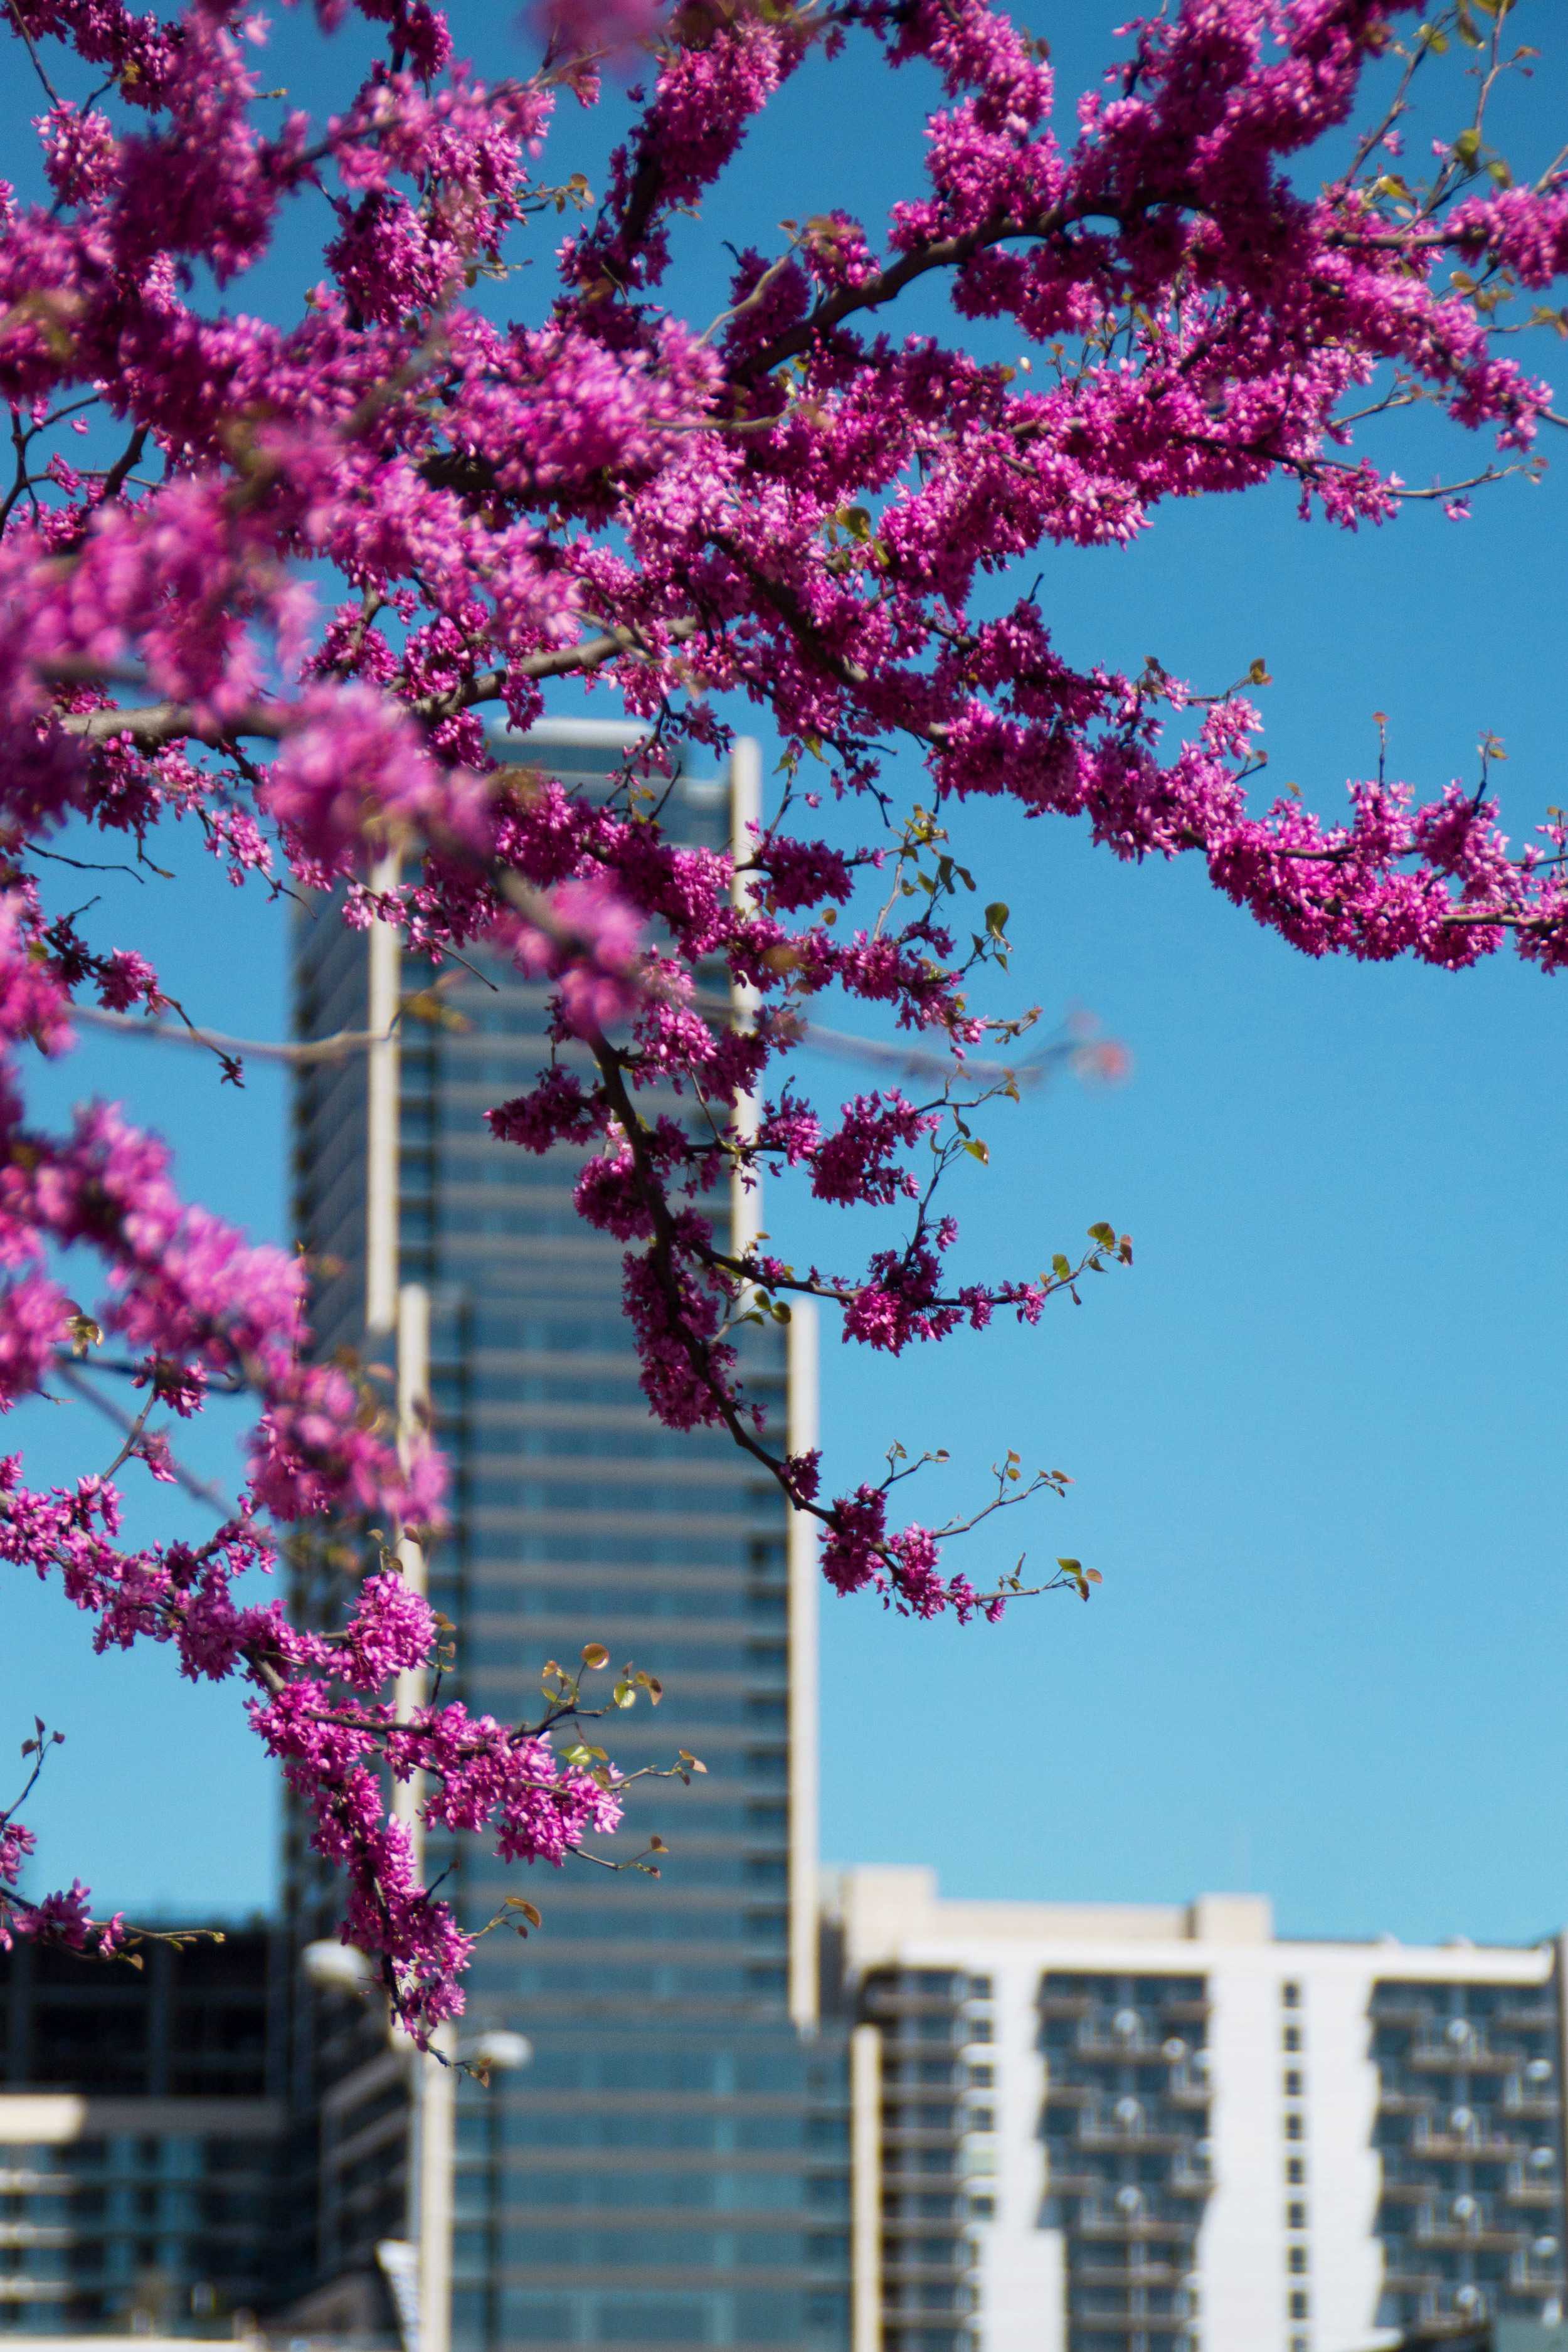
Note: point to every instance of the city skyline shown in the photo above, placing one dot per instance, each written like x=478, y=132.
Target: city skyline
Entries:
x=664, y=597
x=1318, y=1424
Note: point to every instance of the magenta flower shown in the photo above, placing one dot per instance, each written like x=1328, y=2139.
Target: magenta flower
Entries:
x=481, y=419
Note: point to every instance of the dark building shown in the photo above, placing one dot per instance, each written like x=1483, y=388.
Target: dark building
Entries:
x=141, y=2127
x=673, y=2168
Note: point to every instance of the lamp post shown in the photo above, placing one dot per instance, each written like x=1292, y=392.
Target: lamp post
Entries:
x=419, y=2267
x=500, y=2052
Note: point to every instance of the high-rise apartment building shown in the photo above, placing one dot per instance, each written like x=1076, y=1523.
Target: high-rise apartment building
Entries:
x=1134, y=2129
x=672, y=2167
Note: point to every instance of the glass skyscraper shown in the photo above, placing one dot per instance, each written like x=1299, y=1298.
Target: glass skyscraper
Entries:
x=673, y=2168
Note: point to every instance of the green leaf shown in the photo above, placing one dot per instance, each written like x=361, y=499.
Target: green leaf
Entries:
x=1082, y=1577
x=978, y=1150
x=1103, y=1233
x=996, y=915
x=1061, y=1266
x=595, y=1655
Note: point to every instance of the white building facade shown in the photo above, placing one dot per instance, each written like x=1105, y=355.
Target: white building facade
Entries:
x=1131, y=2128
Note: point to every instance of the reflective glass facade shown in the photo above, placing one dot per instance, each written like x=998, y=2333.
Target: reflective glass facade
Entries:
x=141, y=2138
x=672, y=2169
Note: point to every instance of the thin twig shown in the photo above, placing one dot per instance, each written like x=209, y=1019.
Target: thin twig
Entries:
x=198, y=1488
x=335, y=1048
x=19, y=21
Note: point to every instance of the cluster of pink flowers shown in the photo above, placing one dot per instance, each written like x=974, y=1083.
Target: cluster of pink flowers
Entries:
x=794, y=504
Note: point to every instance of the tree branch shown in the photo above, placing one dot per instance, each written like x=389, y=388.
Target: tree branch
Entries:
x=156, y=724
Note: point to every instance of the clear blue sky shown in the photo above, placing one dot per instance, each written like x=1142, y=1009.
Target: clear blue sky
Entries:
x=1316, y=1433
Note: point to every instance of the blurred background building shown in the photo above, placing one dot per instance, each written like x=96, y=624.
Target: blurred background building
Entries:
x=1142, y=2128
x=142, y=2138
x=883, y=2123
x=673, y=2168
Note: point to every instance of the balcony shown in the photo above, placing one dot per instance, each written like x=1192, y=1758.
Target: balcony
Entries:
x=1105, y=2135
x=1106, y=2226
x=1489, y=2236
x=1401, y=2008
x=1392, y=2100
x=1436, y=2326
x=1132, y=2273
x=1462, y=2058
x=1099, y=2042
x=1531, y=2099
x=1126, y=2323
x=1416, y=2190
x=1535, y=2193
x=1460, y=2145
x=904, y=1999
x=1061, y=2180
x=1401, y=2276
x=1527, y=2277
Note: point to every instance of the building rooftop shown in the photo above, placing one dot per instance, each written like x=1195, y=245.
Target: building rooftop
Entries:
x=885, y=1908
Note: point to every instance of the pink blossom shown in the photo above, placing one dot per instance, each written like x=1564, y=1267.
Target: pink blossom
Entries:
x=525, y=473
x=609, y=29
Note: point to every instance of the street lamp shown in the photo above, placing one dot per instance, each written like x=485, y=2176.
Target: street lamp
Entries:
x=418, y=2269
x=338, y=1968
x=497, y=2052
